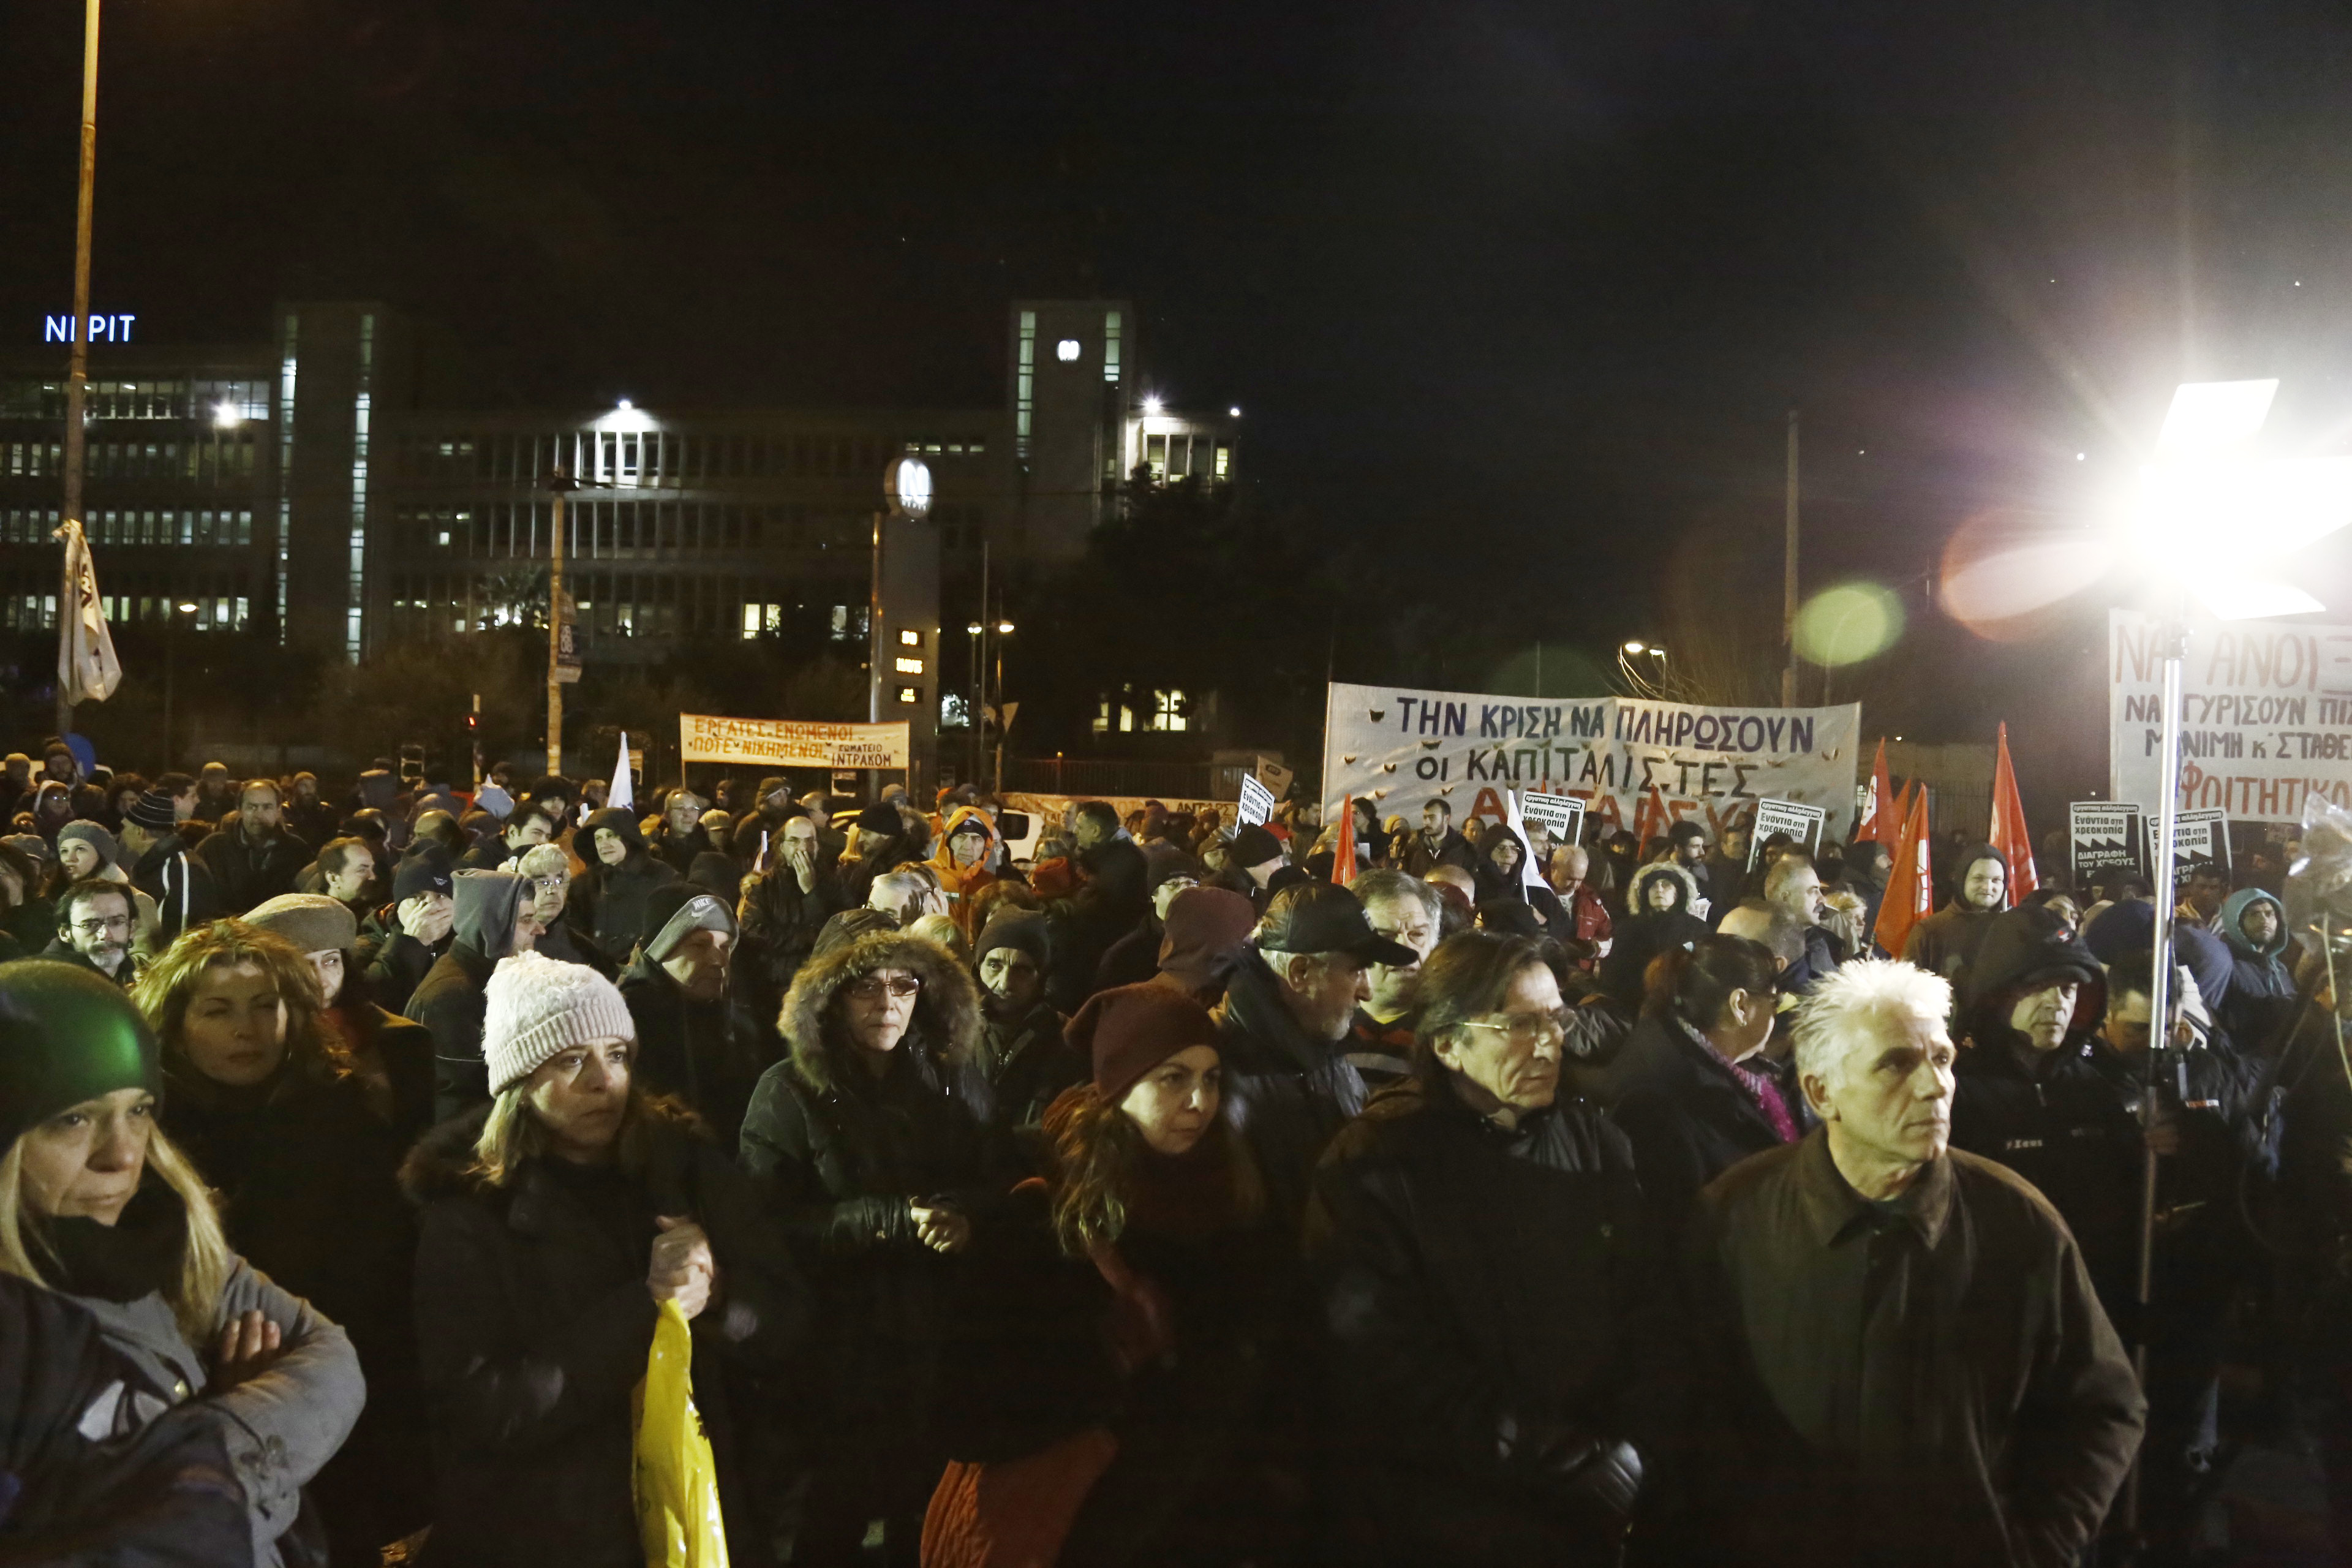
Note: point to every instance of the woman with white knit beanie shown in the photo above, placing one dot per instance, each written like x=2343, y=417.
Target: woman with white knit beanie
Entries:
x=556, y=1220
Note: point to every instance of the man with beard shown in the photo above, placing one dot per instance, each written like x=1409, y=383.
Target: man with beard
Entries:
x=1901, y=1353
x=310, y=818
x=1437, y=844
x=1022, y=1053
x=1945, y=943
x=95, y=922
x=253, y=859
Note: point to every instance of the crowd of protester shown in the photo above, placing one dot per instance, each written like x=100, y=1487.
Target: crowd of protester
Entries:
x=1172, y=1196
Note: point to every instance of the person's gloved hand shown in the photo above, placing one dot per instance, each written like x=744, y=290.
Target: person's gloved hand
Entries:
x=1575, y=1466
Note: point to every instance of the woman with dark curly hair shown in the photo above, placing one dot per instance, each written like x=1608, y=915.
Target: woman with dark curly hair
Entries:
x=260, y=1097
x=1099, y=1390
x=869, y=1136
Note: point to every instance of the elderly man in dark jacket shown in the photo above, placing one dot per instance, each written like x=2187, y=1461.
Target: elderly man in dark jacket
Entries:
x=1902, y=1353
x=2031, y=1097
x=252, y=858
x=1287, y=1013
x=494, y=918
x=1489, y=1306
x=694, y=1039
x=1023, y=1053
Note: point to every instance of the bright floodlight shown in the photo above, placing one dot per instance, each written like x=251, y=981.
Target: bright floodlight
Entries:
x=974, y=628
x=2216, y=416
x=1152, y=405
x=225, y=416
x=1635, y=647
x=1067, y=350
x=187, y=609
x=2204, y=495
x=1234, y=412
x=626, y=405
x=1004, y=629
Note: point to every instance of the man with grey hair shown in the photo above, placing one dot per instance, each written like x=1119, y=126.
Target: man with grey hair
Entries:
x=1793, y=886
x=906, y=895
x=1287, y=1010
x=1899, y=1342
x=1404, y=909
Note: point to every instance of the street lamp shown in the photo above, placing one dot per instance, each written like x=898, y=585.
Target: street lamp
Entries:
x=78, y=358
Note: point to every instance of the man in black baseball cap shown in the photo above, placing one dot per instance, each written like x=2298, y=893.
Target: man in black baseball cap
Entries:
x=400, y=942
x=1286, y=1013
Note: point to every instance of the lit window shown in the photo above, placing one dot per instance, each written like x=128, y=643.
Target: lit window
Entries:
x=1225, y=462
x=907, y=666
x=751, y=621
x=1110, y=345
x=775, y=622
x=1066, y=350
x=1168, y=710
x=1102, y=717
x=910, y=639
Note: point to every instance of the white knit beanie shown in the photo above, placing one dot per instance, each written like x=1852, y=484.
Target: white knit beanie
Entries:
x=541, y=1006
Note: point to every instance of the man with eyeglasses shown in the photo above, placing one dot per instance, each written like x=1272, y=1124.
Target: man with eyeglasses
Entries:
x=94, y=928
x=1288, y=1009
x=1478, y=1240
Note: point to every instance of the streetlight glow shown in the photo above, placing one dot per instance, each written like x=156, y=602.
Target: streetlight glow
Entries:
x=1004, y=629
x=1636, y=647
x=225, y=416
x=1151, y=404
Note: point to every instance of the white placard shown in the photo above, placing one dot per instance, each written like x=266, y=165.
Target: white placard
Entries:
x=1257, y=801
x=1803, y=823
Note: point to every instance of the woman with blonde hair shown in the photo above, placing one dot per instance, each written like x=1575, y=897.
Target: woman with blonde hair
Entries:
x=264, y=1103
x=98, y=1204
x=557, y=1221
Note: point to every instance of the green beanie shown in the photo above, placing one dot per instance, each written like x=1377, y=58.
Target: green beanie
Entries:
x=67, y=1034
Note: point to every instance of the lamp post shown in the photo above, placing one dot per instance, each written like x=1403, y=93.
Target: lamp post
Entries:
x=2201, y=488
x=1004, y=719
x=559, y=669
x=78, y=358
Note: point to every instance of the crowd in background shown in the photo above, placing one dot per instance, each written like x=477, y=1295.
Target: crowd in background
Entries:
x=1182, y=1193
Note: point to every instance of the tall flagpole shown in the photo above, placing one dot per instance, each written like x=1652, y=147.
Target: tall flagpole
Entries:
x=77, y=374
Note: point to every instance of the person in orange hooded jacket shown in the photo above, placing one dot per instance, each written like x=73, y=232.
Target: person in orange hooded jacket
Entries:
x=964, y=859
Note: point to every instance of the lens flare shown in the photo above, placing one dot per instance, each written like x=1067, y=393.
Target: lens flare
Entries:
x=1848, y=623
x=2004, y=575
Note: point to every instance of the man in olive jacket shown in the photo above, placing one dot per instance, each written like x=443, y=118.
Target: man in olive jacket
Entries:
x=1904, y=1355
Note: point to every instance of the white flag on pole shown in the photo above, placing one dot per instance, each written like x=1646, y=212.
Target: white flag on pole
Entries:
x=622, y=795
x=87, y=671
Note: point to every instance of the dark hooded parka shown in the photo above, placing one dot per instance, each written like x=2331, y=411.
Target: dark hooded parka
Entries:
x=707, y=1051
x=2261, y=1007
x=2050, y=1115
x=450, y=1000
x=1945, y=943
x=1647, y=930
x=846, y=1150
x=608, y=908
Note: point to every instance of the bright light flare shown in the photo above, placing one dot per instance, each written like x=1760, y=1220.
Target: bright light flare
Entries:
x=225, y=416
x=1635, y=647
x=1848, y=623
x=2216, y=416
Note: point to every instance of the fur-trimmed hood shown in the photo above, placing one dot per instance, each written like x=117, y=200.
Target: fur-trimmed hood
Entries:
x=1637, y=900
x=947, y=1014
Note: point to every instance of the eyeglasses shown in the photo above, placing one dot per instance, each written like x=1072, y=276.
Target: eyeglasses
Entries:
x=99, y=928
x=1527, y=1028
x=551, y=884
x=873, y=987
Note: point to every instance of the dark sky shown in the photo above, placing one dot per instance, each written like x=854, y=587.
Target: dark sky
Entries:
x=1486, y=277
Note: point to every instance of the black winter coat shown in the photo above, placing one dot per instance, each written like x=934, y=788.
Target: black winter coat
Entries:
x=1686, y=1117
x=607, y=906
x=1027, y=1063
x=244, y=874
x=781, y=923
x=451, y=1003
x=85, y=1484
x=533, y=1323
x=394, y=962
x=1484, y=1292
x=1285, y=1094
x=707, y=1054
x=1112, y=903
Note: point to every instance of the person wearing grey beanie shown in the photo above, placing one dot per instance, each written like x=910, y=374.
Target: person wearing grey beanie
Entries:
x=695, y=1039
x=558, y=1222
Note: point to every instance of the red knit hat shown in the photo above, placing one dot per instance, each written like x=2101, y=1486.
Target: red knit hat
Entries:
x=1129, y=1030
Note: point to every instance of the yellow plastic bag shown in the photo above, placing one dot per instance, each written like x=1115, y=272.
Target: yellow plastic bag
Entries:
x=675, y=1481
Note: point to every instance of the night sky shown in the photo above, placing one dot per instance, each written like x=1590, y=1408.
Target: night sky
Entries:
x=1495, y=284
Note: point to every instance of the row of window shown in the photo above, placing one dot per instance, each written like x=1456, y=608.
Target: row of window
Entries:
x=652, y=459
x=218, y=457
x=180, y=399
x=21, y=525
x=610, y=605
x=26, y=612
x=624, y=529
x=1188, y=455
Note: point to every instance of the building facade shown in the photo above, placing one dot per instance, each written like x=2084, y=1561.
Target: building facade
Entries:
x=300, y=489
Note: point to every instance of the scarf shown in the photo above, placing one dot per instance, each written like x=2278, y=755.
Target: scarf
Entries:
x=136, y=1256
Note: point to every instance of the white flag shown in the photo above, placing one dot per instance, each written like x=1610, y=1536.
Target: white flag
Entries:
x=87, y=671
x=622, y=795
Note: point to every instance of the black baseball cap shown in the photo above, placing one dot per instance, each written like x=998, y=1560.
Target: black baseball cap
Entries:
x=427, y=871
x=1321, y=917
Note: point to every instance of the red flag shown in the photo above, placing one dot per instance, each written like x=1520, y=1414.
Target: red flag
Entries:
x=1892, y=829
x=1910, y=887
x=1880, y=816
x=2008, y=833
x=1343, y=849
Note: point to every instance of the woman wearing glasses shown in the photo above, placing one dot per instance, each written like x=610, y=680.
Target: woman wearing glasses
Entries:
x=1478, y=1242
x=869, y=1138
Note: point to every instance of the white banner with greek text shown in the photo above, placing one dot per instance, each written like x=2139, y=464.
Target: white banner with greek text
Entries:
x=783, y=743
x=1622, y=756
x=2265, y=711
